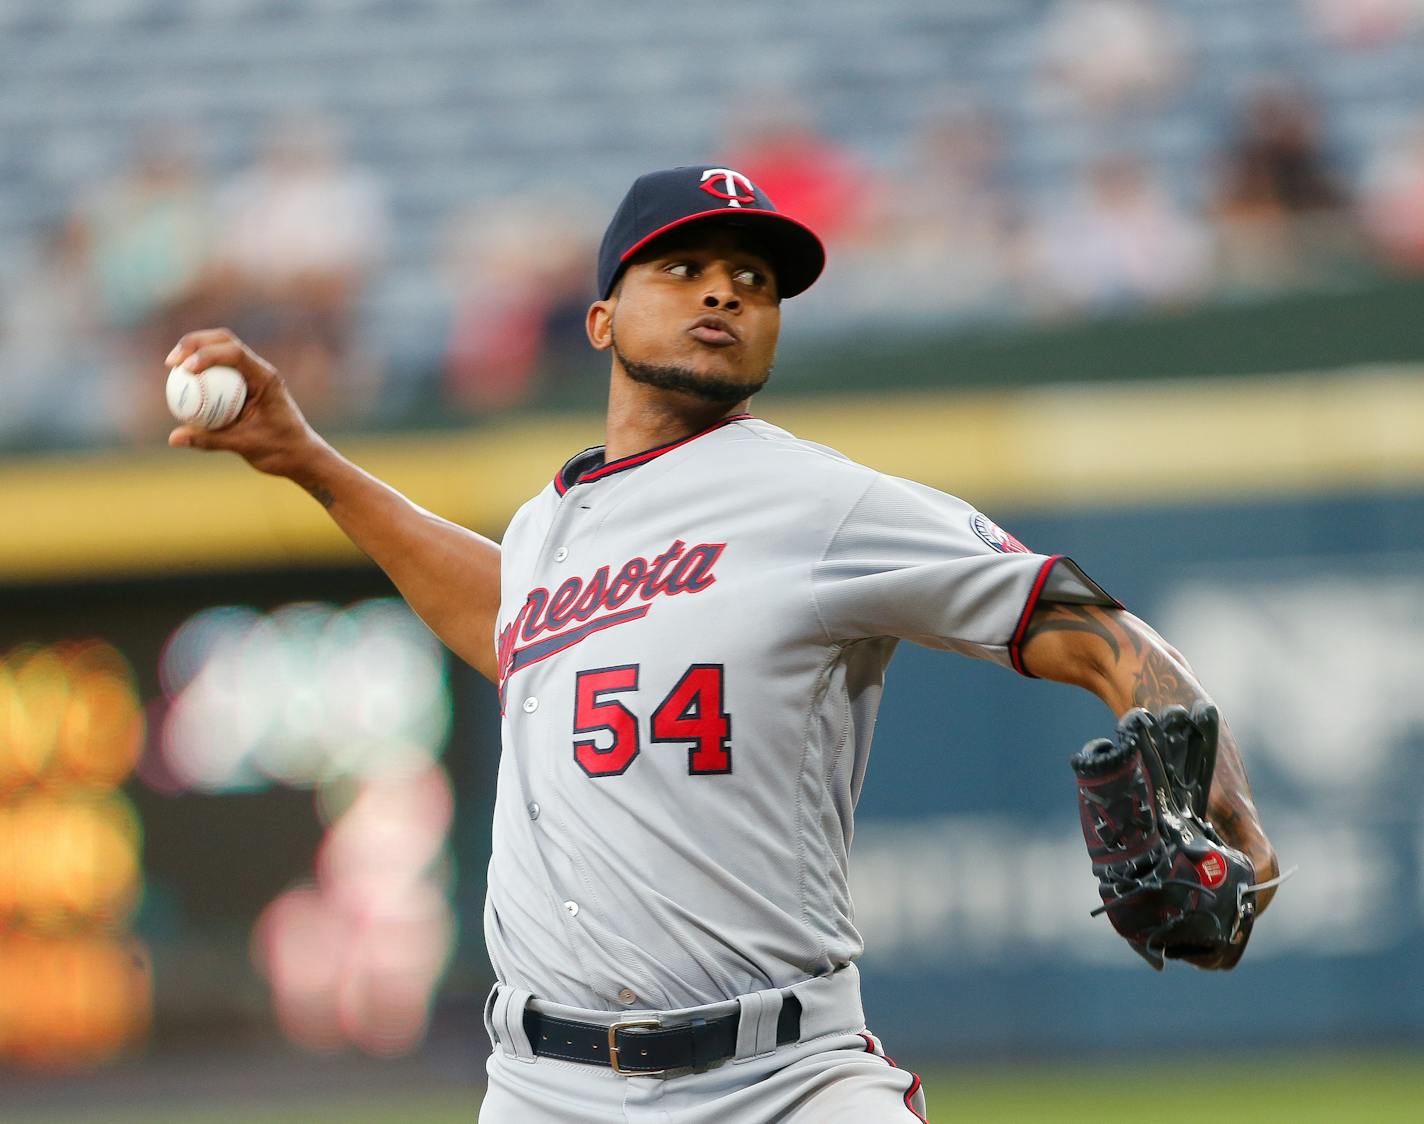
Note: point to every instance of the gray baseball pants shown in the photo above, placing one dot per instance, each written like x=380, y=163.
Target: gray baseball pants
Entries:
x=837, y=1073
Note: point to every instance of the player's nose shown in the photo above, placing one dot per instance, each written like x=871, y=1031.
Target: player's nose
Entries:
x=720, y=292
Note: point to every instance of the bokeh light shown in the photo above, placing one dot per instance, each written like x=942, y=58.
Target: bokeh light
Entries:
x=305, y=693
x=354, y=704
x=69, y=859
x=355, y=957
x=71, y=1001
x=74, y=985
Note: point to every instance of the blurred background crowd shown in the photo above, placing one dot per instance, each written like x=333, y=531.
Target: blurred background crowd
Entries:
x=399, y=201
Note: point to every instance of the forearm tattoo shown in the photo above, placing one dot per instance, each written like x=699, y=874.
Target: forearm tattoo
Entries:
x=1161, y=682
x=321, y=495
x=1059, y=617
x=1139, y=669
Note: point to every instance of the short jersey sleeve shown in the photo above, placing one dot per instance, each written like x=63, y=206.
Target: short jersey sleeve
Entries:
x=916, y=564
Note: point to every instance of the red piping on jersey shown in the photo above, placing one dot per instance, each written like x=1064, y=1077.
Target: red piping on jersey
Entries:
x=1039, y=583
x=632, y=461
x=914, y=1084
x=1034, y=594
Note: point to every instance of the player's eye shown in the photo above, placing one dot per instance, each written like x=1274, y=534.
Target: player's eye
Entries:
x=749, y=276
x=682, y=269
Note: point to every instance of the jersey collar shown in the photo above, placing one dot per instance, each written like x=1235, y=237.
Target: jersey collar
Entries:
x=588, y=466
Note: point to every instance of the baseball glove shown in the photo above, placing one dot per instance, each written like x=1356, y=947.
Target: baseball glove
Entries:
x=1169, y=885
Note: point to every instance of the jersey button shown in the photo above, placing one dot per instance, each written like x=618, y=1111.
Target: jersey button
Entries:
x=561, y=554
x=572, y=907
x=533, y=809
x=627, y=995
x=531, y=704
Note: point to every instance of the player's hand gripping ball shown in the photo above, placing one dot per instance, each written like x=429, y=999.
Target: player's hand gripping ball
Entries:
x=210, y=399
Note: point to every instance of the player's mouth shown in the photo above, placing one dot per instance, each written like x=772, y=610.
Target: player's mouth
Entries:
x=713, y=331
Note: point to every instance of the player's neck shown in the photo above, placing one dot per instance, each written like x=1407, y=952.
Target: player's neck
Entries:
x=643, y=417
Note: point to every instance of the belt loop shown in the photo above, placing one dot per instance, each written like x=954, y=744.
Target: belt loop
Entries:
x=756, y=1029
x=830, y=1003
x=508, y=1020
x=489, y=1016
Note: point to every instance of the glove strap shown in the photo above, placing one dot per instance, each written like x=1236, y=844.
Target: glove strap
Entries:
x=1269, y=882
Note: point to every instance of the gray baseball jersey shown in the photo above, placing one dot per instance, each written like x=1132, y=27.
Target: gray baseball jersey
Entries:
x=692, y=643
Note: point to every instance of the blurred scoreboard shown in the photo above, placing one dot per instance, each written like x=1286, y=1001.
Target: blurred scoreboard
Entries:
x=224, y=800
x=74, y=982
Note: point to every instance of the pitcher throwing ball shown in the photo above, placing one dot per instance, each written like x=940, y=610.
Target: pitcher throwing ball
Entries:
x=689, y=629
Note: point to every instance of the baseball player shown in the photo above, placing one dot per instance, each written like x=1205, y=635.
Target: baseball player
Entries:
x=689, y=629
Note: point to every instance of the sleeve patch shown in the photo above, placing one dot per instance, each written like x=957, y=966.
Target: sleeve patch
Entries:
x=995, y=536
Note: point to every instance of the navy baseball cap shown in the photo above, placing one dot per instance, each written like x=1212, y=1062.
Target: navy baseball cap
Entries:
x=663, y=201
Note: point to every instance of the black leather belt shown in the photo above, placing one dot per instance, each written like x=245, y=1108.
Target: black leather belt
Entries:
x=640, y=1047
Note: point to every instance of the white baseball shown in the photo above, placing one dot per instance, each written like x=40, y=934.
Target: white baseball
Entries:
x=210, y=399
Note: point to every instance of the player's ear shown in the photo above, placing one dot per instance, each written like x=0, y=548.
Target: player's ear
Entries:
x=599, y=323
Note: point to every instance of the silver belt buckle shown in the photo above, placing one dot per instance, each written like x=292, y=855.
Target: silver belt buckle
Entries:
x=613, y=1047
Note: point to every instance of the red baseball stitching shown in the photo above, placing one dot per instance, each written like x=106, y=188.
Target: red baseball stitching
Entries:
x=223, y=419
x=202, y=394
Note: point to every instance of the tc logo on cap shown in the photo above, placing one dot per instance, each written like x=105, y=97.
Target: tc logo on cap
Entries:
x=665, y=200
x=733, y=181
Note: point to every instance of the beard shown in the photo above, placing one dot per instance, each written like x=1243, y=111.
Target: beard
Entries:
x=719, y=391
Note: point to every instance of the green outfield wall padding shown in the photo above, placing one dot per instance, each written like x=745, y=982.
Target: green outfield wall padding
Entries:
x=1382, y=323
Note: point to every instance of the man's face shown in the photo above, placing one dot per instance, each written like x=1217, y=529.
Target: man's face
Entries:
x=696, y=312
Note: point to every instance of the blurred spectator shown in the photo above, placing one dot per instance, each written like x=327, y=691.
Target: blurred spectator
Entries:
x=807, y=175
x=1363, y=24
x=1278, y=161
x=1120, y=240
x=1108, y=54
x=1394, y=201
x=940, y=245
x=49, y=331
x=148, y=232
x=1283, y=210
x=520, y=277
x=302, y=232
